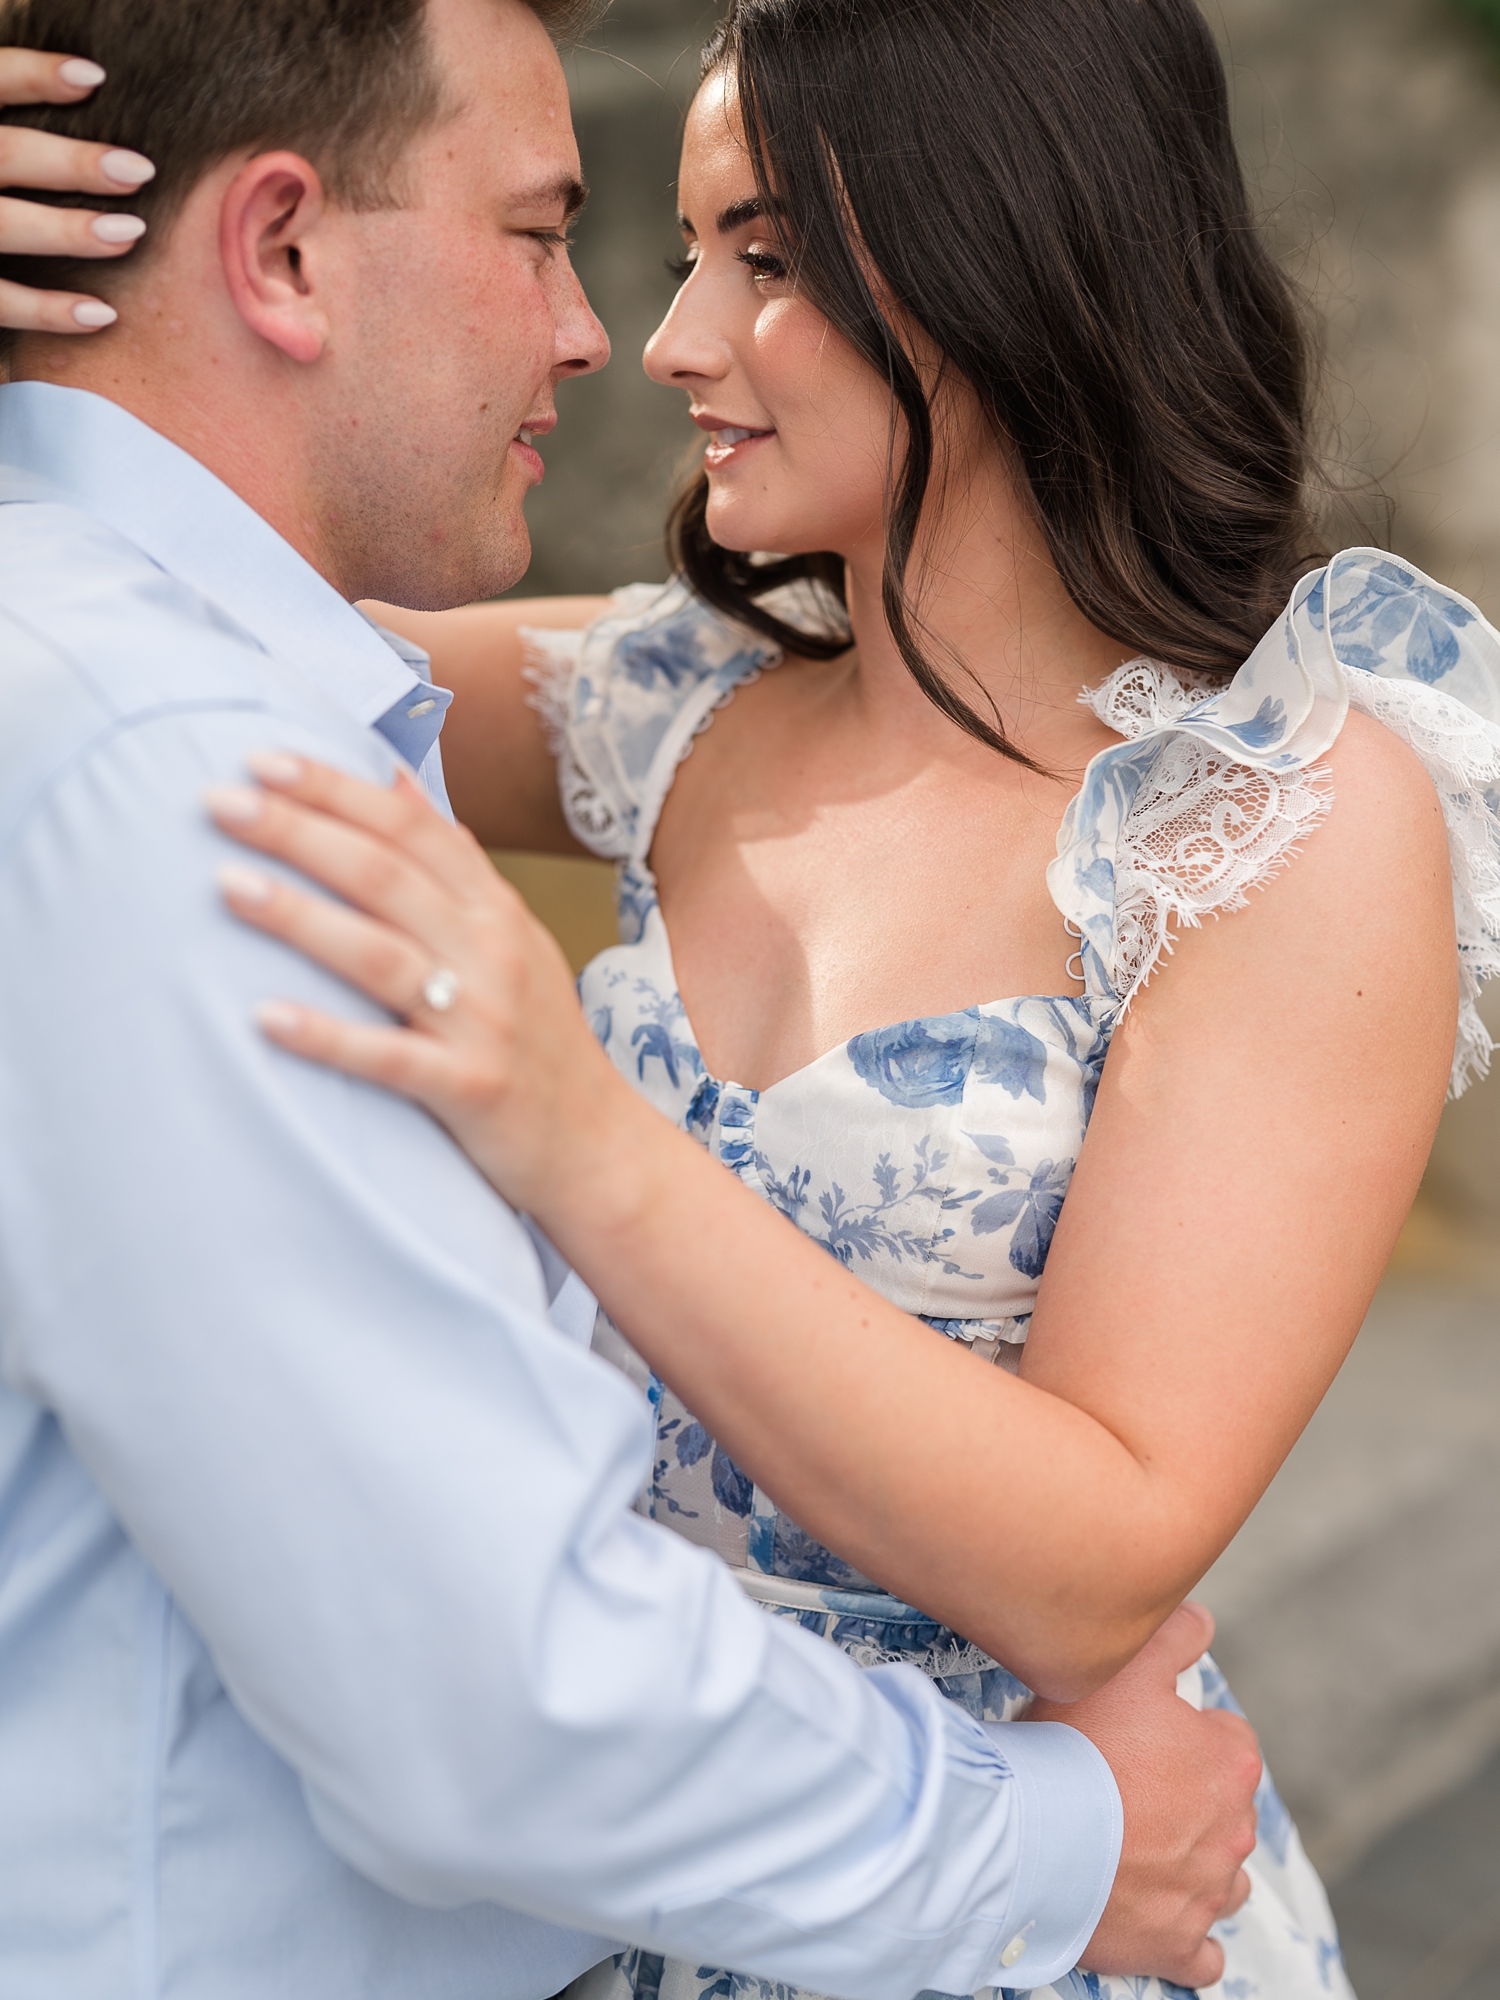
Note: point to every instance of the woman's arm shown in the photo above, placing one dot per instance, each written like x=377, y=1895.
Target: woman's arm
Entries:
x=499, y=770
x=1261, y=1127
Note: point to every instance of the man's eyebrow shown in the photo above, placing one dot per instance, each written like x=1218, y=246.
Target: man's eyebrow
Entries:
x=571, y=193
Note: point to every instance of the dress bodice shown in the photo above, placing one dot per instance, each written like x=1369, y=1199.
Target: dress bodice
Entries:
x=933, y=1156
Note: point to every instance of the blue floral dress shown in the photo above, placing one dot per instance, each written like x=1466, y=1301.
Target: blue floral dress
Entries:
x=933, y=1156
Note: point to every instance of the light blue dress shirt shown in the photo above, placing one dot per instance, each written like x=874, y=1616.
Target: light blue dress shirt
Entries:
x=329, y=1643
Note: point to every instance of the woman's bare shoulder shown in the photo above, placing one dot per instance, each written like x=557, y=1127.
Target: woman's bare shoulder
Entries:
x=1385, y=835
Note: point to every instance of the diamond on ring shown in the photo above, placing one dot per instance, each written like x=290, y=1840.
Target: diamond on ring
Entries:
x=440, y=989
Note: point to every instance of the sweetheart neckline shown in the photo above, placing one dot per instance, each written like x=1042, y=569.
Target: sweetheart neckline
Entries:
x=908, y=1020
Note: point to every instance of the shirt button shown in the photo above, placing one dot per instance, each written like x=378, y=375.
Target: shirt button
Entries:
x=420, y=708
x=1012, y=1952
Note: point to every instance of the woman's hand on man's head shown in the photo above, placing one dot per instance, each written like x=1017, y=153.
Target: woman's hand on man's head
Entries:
x=46, y=160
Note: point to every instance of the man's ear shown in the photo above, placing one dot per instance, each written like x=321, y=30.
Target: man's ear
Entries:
x=270, y=209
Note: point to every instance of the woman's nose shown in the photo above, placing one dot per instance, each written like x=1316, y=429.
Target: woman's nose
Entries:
x=685, y=347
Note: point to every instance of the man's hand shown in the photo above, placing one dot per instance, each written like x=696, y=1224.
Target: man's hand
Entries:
x=1187, y=1782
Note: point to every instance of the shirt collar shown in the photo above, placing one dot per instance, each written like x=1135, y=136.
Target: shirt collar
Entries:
x=89, y=451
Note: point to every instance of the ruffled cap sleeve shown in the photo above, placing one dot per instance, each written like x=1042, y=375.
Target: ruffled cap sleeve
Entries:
x=1213, y=789
x=623, y=699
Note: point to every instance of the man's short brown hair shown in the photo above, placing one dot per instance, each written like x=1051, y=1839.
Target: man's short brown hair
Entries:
x=346, y=83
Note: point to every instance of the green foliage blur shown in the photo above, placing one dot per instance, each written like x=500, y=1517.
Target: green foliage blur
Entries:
x=1485, y=12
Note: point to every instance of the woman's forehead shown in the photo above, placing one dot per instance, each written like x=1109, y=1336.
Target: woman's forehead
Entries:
x=713, y=140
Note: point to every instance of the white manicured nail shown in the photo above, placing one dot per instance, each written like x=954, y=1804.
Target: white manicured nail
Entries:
x=241, y=805
x=118, y=228
x=275, y=766
x=248, y=885
x=81, y=73
x=94, y=312
x=279, y=1017
x=131, y=170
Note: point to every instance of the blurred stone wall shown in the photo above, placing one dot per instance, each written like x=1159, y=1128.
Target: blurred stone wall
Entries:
x=1371, y=130
x=596, y=520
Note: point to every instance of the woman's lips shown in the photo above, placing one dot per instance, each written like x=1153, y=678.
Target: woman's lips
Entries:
x=731, y=441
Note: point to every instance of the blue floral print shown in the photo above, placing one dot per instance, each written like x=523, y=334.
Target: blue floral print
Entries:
x=1394, y=605
x=1265, y=726
x=918, y=1064
x=667, y=656
x=921, y=1064
x=861, y=1230
x=653, y=1038
x=1010, y=1055
x=1030, y=1211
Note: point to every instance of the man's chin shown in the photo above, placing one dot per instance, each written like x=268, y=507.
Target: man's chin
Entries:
x=455, y=575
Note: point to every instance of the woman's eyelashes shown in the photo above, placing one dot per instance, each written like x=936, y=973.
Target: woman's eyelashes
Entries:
x=765, y=266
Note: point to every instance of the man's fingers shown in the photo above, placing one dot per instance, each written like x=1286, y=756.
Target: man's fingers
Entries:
x=399, y=813
x=1239, y=1895
x=1182, y=1640
x=25, y=311
x=27, y=76
x=1205, y=1969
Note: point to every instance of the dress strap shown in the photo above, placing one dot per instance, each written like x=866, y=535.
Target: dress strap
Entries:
x=623, y=700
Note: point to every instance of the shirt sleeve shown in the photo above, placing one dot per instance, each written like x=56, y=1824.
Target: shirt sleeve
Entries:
x=302, y=1348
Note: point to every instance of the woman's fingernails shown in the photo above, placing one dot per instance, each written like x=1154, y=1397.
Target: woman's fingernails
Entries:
x=279, y=1017
x=94, y=312
x=80, y=73
x=131, y=170
x=117, y=228
x=240, y=805
x=276, y=767
x=246, y=885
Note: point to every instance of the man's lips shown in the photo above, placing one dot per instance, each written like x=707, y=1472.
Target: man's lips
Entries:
x=524, y=449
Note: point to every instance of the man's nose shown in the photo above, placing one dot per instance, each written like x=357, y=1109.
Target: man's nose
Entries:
x=582, y=343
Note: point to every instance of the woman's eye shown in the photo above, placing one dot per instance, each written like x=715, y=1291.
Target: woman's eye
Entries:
x=683, y=267
x=763, y=265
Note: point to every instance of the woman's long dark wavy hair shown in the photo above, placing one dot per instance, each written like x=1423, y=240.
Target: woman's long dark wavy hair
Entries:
x=1049, y=191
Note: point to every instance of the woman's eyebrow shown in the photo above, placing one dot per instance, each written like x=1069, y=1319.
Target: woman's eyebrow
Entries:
x=738, y=214
x=730, y=219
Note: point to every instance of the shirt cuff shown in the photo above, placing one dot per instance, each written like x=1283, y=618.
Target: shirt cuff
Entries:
x=1072, y=1824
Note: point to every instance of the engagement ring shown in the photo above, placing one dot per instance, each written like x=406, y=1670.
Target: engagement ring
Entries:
x=440, y=989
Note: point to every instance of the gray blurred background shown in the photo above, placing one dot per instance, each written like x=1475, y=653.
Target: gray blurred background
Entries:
x=1360, y=1607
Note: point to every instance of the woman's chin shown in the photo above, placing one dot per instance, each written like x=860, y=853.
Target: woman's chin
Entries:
x=751, y=530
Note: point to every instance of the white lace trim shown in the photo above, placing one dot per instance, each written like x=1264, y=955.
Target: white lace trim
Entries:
x=549, y=662
x=1143, y=695
x=1462, y=756
x=652, y=804
x=1203, y=831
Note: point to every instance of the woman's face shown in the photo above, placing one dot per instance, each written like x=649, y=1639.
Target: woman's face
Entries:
x=799, y=424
